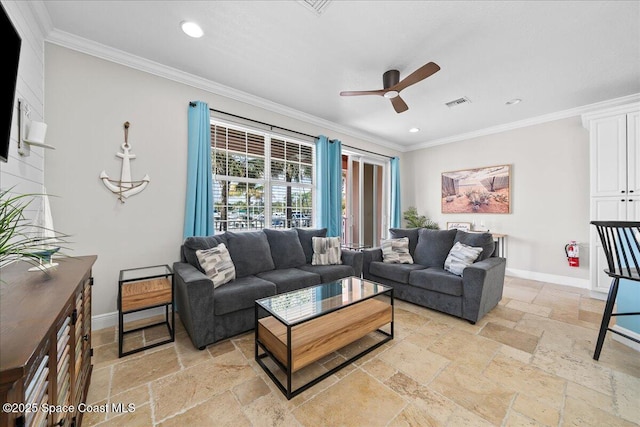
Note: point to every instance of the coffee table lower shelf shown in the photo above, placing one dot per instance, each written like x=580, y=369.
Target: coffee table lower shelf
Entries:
x=295, y=347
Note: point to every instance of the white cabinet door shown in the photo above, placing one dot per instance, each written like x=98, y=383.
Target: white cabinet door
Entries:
x=609, y=156
x=633, y=153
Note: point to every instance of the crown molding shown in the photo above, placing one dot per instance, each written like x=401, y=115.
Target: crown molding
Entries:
x=98, y=50
x=573, y=112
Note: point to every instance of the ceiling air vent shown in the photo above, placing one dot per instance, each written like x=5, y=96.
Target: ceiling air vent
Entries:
x=459, y=101
x=317, y=6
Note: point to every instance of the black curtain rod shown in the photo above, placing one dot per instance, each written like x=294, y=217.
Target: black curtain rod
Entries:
x=287, y=130
x=263, y=123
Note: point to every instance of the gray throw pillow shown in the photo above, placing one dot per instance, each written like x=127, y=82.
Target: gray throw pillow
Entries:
x=433, y=247
x=250, y=252
x=396, y=251
x=286, y=249
x=306, y=235
x=460, y=257
x=477, y=240
x=217, y=265
x=326, y=251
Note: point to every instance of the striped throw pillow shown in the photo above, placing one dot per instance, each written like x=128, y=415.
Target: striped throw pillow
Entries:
x=326, y=251
x=217, y=264
x=396, y=251
x=460, y=257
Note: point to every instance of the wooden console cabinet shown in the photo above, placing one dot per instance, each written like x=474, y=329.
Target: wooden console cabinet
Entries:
x=45, y=343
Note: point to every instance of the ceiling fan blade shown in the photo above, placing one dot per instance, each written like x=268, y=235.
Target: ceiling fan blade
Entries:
x=418, y=75
x=399, y=105
x=362, y=92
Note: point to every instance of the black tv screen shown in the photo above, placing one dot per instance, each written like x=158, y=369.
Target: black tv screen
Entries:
x=11, y=42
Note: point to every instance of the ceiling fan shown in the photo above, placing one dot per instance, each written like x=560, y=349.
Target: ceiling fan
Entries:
x=393, y=85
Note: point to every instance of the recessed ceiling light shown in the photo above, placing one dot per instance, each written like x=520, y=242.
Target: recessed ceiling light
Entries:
x=514, y=101
x=191, y=29
x=414, y=130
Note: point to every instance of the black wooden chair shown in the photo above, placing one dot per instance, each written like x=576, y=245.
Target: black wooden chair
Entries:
x=620, y=243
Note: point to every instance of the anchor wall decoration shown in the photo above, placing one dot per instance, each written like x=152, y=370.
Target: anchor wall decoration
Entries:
x=125, y=187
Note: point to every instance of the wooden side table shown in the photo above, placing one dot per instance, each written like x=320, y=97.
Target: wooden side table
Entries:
x=142, y=289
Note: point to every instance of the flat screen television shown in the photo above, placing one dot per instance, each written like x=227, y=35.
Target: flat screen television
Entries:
x=11, y=42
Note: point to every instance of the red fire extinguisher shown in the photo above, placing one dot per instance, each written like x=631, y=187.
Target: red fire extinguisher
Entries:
x=573, y=253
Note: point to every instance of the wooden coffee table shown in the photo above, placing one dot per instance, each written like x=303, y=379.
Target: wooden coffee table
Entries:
x=303, y=326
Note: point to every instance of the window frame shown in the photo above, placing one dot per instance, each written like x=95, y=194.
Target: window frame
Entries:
x=268, y=181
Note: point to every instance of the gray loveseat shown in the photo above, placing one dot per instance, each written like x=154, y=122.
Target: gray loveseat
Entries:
x=427, y=283
x=267, y=262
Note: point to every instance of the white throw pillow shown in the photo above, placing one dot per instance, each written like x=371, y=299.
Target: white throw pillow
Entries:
x=396, y=251
x=217, y=264
x=460, y=257
x=326, y=251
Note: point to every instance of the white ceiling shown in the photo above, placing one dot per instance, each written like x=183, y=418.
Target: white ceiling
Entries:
x=554, y=55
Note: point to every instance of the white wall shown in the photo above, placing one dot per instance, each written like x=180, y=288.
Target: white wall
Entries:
x=26, y=174
x=549, y=193
x=88, y=101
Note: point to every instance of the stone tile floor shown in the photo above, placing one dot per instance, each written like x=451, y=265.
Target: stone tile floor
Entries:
x=527, y=363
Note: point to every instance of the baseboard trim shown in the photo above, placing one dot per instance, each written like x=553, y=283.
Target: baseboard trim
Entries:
x=107, y=320
x=550, y=278
x=634, y=345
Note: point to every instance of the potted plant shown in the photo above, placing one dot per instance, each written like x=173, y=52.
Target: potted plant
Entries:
x=418, y=221
x=24, y=239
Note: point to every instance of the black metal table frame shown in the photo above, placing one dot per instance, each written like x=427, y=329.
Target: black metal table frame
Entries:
x=287, y=391
x=121, y=313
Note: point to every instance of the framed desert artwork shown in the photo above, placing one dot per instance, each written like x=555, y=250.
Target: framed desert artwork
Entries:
x=481, y=190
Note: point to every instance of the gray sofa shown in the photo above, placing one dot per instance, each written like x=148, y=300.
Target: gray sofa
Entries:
x=267, y=262
x=428, y=284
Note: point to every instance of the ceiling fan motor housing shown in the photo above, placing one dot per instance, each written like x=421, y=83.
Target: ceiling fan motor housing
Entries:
x=390, y=78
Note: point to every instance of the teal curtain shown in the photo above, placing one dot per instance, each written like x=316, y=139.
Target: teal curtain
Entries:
x=329, y=173
x=198, y=216
x=396, y=214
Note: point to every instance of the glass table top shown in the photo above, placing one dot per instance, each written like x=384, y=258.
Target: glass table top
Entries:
x=144, y=272
x=304, y=304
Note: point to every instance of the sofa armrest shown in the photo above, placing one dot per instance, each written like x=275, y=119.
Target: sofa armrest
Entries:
x=354, y=259
x=194, y=302
x=369, y=256
x=482, y=284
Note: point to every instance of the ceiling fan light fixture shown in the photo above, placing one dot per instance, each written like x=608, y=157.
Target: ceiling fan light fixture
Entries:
x=391, y=94
x=191, y=29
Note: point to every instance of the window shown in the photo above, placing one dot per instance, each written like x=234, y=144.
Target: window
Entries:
x=260, y=180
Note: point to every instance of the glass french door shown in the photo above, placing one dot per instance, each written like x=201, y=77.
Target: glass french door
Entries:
x=365, y=204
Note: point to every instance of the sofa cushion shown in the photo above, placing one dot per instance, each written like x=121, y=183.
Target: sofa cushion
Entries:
x=437, y=280
x=240, y=294
x=326, y=251
x=306, y=235
x=460, y=257
x=395, y=272
x=329, y=273
x=250, y=252
x=411, y=233
x=217, y=265
x=481, y=240
x=396, y=251
x=290, y=279
x=192, y=244
x=286, y=249
x=433, y=247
